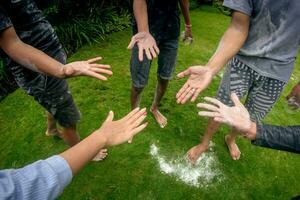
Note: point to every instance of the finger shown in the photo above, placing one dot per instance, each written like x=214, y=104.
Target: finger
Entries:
x=187, y=96
x=129, y=115
x=184, y=94
x=209, y=114
x=156, y=49
x=148, y=54
x=214, y=101
x=235, y=99
x=207, y=107
x=137, y=115
x=184, y=73
x=100, y=66
x=141, y=54
x=132, y=43
x=138, y=121
x=220, y=119
x=110, y=116
x=130, y=140
x=196, y=94
x=95, y=75
x=153, y=53
x=102, y=71
x=183, y=88
x=138, y=129
x=94, y=59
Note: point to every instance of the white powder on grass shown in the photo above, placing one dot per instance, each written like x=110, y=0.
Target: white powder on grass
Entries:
x=200, y=175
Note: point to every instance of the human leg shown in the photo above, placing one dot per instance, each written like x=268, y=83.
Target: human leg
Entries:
x=166, y=66
x=139, y=76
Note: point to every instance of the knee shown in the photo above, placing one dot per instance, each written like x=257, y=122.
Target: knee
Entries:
x=137, y=90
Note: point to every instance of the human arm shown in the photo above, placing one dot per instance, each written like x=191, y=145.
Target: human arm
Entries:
x=36, y=60
x=144, y=40
x=285, y=138
x=184, y=5
x=46, y=179
x=111, y=133
x=201, y=76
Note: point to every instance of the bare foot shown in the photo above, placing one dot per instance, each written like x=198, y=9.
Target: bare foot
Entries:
x=52, y=132
x=233, y=148
x=161, y=120
x=195, y=152
x=101, y=155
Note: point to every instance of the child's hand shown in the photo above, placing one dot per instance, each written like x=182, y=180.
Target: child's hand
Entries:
x=145, y=42
x=87, y=68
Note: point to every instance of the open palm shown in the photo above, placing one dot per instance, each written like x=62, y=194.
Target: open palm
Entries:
x=199, y=78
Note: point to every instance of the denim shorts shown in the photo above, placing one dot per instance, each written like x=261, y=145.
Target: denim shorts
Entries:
x=166, y=63
x=51, y=93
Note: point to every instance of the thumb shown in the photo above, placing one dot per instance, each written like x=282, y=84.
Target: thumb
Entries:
x=184, y=73
x=132, y=43
x=110, y=116
x=235, y=99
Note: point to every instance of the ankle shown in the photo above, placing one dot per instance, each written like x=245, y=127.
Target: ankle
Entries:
x=154, y=108
x=230, y=138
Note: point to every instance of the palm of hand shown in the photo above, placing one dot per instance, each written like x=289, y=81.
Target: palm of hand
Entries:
x=236, y=116
x=199, y=78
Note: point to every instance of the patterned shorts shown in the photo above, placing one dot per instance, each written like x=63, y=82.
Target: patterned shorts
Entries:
x=262, y=92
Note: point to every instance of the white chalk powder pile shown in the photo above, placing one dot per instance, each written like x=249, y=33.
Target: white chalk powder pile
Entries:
x=203, y=174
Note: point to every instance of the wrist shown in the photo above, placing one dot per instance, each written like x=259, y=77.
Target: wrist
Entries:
x=101, y=137
x=250, y=132
x=62, y=71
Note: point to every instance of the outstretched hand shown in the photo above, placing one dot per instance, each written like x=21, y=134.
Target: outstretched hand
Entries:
x=88, y=68
x=146, y=43
x=236, y=116
x=199, y=78
x=120, y=131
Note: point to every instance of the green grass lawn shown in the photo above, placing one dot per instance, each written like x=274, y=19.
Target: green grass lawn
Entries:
x=130, y=172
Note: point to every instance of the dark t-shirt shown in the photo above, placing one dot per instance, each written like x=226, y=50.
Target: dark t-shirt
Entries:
x=32, y=28
x=163, y=19
x=30, y=25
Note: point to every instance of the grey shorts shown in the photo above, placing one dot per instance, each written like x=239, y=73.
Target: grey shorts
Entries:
x=262, y=92
x=51, y=93
x=166, y=63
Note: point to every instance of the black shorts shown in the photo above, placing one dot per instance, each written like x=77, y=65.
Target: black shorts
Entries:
x=51, y=93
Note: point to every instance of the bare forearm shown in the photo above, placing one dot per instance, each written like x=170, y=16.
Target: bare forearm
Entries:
x=141, y=15
x=81, y=154
x=231, y=42
x=35, y=59
x=184, y=5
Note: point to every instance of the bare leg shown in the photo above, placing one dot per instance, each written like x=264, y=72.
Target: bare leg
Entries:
x=231, y=144
x=195, y=152
x=70, y=135
x=161, y=89
x=71, y=138
x=135, y=96
x=51, y=125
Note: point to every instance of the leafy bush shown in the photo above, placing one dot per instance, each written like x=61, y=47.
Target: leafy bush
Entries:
x=87, y=21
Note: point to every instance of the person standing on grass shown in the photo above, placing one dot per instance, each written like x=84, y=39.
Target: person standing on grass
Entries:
x=46, y=179
x=260, y=47
x=36, y=59
x=156, y=32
